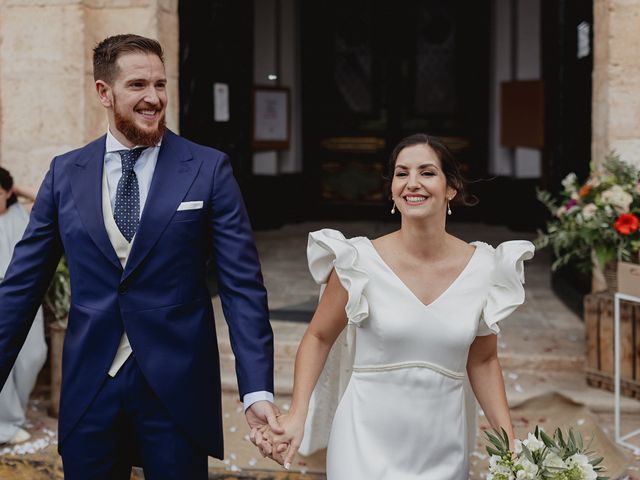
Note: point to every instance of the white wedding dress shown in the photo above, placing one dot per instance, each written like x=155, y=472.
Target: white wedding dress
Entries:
x=407, y=412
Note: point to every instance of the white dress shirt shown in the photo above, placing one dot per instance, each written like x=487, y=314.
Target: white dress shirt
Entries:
x=143, y=168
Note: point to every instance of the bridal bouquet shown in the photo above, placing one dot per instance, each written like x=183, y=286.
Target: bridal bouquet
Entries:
x=561, y=457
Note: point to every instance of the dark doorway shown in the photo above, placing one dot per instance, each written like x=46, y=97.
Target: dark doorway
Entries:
x=216, y=46
x=567, y=27
x=375, y=71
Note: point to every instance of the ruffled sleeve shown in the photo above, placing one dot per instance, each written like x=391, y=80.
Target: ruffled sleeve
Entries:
x=328, y=250
x=506, y=292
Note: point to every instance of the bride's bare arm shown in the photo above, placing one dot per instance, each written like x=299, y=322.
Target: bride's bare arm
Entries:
x=328, y=321
x=485, y=375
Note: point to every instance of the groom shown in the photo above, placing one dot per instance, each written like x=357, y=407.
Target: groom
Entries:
x=138, y=213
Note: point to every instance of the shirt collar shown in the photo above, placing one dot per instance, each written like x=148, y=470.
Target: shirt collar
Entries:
x=113, y=145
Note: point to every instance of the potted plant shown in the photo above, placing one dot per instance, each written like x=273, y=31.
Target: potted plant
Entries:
x=57, y=301
x=595, y=223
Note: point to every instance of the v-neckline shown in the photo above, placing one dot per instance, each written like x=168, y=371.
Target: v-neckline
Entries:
x=406, y=287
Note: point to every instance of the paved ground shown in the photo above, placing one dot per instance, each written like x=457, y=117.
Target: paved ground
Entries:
x=541, y=349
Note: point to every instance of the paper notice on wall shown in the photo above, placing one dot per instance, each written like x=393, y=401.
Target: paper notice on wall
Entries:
x=220, y=102
x=584, y=41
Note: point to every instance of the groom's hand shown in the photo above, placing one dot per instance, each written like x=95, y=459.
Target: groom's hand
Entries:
x=258, y=415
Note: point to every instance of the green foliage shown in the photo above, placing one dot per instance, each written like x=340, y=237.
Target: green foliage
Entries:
x=58, y=297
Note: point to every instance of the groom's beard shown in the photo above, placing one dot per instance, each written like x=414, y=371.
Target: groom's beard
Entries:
x=136, y=135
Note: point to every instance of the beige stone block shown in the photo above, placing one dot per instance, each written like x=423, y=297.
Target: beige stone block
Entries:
x=95, y=114
x=173, y=107
x=624, y=36
x=628, y=149
x=104, y=22
x=29, y=166
x=624, y=113
x=119, y=4
x=168, y=36
x=170, y=6
x=42, y=40
x=37, y=112
x=39, y=3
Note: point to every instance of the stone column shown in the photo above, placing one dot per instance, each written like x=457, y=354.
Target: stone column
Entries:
x=48, y=103
x=616, y=80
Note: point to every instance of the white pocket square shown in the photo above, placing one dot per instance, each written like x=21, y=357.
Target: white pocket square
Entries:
x=190, y=205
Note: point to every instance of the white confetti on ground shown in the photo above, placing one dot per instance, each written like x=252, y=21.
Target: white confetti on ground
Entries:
x=239, y=409
x=252, y=462
x=518, y=388
x=512, y=376
x=233, y=429
x=27, y=448
x=286, y=407
x=247, y=438
x=580, y=421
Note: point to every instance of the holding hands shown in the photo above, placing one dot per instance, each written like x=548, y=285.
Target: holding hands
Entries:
x=281, y=446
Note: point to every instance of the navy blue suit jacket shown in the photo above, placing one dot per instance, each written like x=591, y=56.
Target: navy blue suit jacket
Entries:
x=160, y=298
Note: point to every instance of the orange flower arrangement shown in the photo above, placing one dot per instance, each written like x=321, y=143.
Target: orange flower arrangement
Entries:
x=626, y=224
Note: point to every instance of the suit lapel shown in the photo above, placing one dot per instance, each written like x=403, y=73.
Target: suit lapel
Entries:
x=174, y=174
x=86, y=187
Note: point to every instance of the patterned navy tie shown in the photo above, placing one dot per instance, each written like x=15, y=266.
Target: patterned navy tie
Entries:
x=127, y=211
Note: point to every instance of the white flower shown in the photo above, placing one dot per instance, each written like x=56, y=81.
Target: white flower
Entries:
x=589, y=211
x=529, y=470
x=497, y=467
x=569, y=182
x=617, y=198
x=575, y=196
x=582, y=462
x=594, y=181
x=609, y=211
x=518, y=446
x=532, y=443
x=553, y=460
x=560, y=212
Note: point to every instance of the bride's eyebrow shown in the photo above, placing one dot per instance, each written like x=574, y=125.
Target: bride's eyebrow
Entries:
x=420, y=167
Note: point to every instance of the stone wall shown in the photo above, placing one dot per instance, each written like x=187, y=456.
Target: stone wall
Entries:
x=48, y=103
x=616, y=80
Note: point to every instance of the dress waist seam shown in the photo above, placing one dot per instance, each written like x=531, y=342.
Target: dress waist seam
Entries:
x=403, y=365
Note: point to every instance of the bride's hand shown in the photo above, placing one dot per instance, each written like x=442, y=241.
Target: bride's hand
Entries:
x=285, y=446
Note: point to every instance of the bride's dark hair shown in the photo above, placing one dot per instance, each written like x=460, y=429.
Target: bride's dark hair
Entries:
x=6, y=182
x=450, y=166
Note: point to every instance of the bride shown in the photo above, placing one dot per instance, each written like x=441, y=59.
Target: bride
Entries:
x=425, y=308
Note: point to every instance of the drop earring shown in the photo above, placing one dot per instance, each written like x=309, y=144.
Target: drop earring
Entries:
x=393, y=209
x=448, y=206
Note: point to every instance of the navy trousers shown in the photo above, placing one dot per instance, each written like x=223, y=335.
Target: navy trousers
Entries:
x=126, y=425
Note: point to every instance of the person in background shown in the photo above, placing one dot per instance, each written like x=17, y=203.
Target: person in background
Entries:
x=15, y=394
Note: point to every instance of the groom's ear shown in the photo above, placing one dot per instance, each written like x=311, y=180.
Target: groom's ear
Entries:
x=105, y=94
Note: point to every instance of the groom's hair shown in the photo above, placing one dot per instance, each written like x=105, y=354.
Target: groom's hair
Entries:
x=107, y=52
